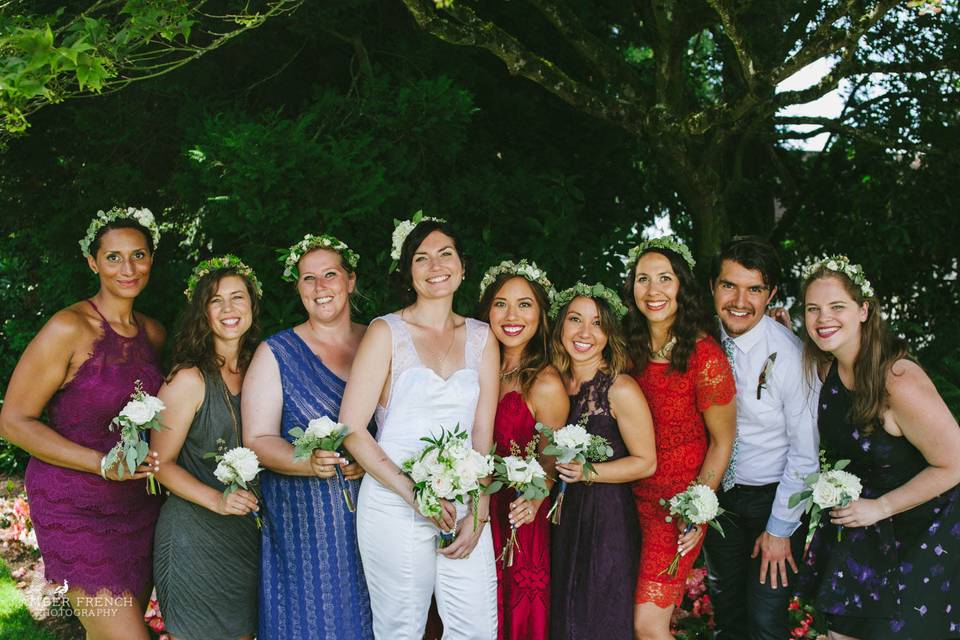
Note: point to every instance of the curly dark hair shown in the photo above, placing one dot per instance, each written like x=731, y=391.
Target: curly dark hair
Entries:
x=194, y=346
x=120, y=223
x=536, y=353
x=403, y=278
x=692, y=319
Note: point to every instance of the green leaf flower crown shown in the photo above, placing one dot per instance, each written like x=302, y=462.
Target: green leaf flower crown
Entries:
x=841, y=264
x=402, y=229
x=292, y=256
x=589, y=291
x=228, y=261
x=522, y=268
x=142, y=216
x=672, y=243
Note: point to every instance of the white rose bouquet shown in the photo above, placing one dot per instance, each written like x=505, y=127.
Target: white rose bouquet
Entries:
x=323, y=433
x=573, y=443
x=521, y=472
x=830, y=487
x=137, y=416
x=447, y=469
x=696, y=505
x=237, y=469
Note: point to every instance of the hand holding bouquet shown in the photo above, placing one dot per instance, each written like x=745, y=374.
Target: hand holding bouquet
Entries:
x=573, y=443
x=830, y=487
x=323, y=433
x=521, y=472
x=237, y=469
x=694, y=506
x=447, y=469
x=137, y=416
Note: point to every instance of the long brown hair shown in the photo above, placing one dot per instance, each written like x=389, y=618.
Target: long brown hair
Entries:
x=614, y=354
x=535, y=354
x=879, y=350
x=194, y=346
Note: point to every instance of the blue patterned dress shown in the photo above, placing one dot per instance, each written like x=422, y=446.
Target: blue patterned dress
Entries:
x=898, y=578
x=312, y=585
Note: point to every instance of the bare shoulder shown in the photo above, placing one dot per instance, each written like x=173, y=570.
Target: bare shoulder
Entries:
x=548, y=383
x=187, y=384
x=905, y=380
x=156, y=334
x=68, y=325
x=625, y=388
x=377, y=332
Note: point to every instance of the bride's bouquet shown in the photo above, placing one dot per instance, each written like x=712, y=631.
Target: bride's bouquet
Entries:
x=138, y=416
x=696, y=505
x=521, y=472
x=237, y=469
x=573, y=443
x=830, y=487
x=447, y=469
x=323, y=433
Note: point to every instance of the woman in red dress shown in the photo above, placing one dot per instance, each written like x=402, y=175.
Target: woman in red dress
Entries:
x=514, y=300
x=689, y=385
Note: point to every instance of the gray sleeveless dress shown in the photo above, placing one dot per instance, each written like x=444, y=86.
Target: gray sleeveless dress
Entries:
x=206, y=566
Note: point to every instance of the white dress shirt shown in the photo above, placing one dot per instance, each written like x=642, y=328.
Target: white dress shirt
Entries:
x=778, y=438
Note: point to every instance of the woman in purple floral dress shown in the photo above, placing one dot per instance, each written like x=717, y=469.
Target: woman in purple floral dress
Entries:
x=888, y=564
x=95, y=529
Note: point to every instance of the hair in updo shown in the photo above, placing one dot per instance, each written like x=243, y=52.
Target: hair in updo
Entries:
x=403, y=281
x=120, y=223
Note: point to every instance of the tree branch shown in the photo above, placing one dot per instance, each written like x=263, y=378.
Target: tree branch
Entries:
x=736, y=38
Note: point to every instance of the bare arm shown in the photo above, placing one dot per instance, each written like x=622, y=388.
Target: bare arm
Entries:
x=630, y=409
x=721, y=421
x=551, y=406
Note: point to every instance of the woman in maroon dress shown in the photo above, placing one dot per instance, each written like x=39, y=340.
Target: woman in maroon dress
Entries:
x=514, y=300
x=95, y=529
x=688, y=382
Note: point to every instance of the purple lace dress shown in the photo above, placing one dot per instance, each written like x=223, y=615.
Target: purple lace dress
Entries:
x=96, y=534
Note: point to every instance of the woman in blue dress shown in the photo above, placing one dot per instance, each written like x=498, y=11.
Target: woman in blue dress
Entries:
x=312, y=584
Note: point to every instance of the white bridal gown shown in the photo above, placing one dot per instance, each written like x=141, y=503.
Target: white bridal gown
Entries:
x=398, y=545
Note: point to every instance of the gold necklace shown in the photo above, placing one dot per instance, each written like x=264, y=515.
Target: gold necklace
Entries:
x=233, y=415
x=663, y=353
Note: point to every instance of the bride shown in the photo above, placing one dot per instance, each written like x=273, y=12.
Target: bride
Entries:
x=420, y=369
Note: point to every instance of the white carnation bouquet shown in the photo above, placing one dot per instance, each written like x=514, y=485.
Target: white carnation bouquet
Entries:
x=573, y=443
x=521, y=472
x=447, y=468
x=323, y=433
x=828, y=488
x=695, y=505
x=237, y=468
x=138, y=416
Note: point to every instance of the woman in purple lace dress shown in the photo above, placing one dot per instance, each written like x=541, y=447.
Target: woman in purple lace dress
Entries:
x=95, y=530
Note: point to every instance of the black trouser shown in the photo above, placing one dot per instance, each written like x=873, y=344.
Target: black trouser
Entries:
x=745, y=608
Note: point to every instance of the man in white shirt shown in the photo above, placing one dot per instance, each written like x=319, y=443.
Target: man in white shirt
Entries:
x=776, y=446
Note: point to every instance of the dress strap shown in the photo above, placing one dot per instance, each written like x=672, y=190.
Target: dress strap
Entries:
x=477, y=334
x=97, y=310
x=107, y=322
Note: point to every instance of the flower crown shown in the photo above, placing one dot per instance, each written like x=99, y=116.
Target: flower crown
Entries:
x=589, y=291
x=143, y=217
x=228, y=261
x=292, y=256
x=666, y=242
x=403, y=228
x=524, y=269
x=841, y=264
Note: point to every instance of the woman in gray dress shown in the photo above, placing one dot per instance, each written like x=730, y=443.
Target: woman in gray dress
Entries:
x=207, y=547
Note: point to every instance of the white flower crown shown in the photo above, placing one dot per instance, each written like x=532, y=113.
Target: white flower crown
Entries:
x=228, y=261
x=292, y=256
x=522, y=268
x=588, y=291
x=666, y=242
x=143, y=217
x=841, y=264
x=403, y=229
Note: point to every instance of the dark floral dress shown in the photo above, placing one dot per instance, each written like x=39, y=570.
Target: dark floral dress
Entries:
x=898, y=578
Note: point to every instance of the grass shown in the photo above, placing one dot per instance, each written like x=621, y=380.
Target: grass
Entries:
x=16, y=623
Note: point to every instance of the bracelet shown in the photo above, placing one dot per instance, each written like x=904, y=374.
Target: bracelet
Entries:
x=103, y=467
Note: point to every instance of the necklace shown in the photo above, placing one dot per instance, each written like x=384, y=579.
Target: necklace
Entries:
x=663, y=353
x=233, y=415
x=434, y=353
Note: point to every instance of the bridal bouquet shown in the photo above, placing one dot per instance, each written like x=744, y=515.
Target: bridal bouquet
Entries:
x=137, y=416
x=573, y=443
x=447, y=469
x=323, y=433
x=830, y=487
x=521, y=472
x=696, y=505
x=237, y=469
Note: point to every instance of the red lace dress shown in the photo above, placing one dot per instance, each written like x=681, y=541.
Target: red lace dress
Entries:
x=677, y=402
x=523, y=590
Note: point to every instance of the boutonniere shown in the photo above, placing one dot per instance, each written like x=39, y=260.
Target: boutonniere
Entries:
x=765, y=373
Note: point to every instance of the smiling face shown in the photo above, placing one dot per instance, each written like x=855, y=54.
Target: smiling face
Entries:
x=229, y=311
x=582, y=336
x=655, y=288
x=740, y=297
x=436, y=269
x=123, y=262
x=324, y=285
x=832, y=317
x=515, y=313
